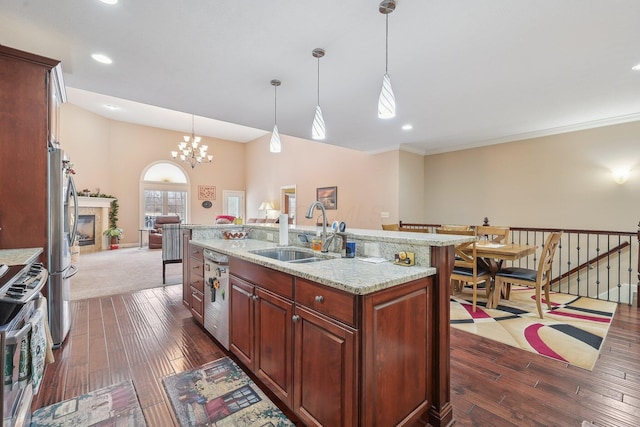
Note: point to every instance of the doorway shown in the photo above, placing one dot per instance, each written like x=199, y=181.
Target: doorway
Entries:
x=288, y=202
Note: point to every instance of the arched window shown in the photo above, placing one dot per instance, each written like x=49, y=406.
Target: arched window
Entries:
x=164, y=190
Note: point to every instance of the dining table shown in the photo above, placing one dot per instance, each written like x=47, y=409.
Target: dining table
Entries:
x=493, y=256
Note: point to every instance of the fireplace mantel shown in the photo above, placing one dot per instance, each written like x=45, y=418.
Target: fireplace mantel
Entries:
x=98, y=206
x=94, y=202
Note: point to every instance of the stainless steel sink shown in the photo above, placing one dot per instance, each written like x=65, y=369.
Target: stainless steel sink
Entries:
x=293, y=255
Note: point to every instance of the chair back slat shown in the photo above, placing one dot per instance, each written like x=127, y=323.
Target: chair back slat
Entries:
x=546, y=258
x=494, y=233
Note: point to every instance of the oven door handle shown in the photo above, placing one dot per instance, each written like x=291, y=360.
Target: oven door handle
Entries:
x=16, y=337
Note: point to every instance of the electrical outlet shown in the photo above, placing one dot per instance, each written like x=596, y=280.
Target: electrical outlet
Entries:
x=270, y=237
x=384, y=214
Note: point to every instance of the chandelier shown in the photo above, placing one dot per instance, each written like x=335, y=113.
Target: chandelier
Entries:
x=190, y=150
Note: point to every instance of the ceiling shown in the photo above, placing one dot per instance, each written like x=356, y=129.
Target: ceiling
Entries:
x=465, y=72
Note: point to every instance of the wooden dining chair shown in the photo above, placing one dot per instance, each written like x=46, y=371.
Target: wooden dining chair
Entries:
x=540, y=278
x=466, y=268
x=494, y=233
x=455, y=227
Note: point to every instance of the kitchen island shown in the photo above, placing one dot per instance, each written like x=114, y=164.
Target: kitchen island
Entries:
x=344, y=341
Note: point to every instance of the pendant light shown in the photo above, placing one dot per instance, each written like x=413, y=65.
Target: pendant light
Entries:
x=317, y=129
x=387, y=100
x=275, y=146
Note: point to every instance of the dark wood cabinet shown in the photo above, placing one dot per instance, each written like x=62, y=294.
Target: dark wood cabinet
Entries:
x=325, y=370
x=241, y=320
x=261, y=325
x=335, y=358
x=196, y=282
x=25, y=87
x=274, y=343
x=186, y=267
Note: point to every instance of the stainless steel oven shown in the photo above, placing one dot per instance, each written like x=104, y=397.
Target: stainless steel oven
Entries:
x=22, y=339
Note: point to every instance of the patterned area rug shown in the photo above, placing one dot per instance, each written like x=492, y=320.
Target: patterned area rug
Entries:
x=116, y=405
x=572, y=332
x=219, y=394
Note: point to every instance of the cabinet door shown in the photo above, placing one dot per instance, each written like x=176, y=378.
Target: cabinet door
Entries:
x=186, y=268
x=274, y=343
x=326, y=386
x=241, y=320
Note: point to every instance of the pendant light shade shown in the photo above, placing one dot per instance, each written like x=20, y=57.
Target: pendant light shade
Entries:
x=387, y=100
x=275, y=146
x=318, y=131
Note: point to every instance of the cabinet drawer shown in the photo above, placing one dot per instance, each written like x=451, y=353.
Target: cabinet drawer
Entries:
x=275, y=281
x=196, y=252
x=197, y=283
x=197, y=305
x=196, y=268
x=323, y=299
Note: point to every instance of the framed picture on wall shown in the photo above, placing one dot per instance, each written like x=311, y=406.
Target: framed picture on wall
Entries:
x=328, y=196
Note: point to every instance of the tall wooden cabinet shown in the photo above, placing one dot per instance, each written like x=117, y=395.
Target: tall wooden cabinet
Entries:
x=29, y=97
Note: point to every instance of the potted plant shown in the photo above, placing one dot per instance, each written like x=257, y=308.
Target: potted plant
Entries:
x=114, y=232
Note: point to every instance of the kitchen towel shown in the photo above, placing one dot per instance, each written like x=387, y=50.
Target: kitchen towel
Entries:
x=38, y=344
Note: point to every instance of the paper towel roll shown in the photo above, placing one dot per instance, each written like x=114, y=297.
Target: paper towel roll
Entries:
x=284, y=229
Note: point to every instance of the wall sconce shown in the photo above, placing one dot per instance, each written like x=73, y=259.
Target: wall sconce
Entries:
x=266, y=207
x=620, y=175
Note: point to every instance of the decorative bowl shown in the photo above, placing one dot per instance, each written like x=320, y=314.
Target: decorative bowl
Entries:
x=235, y=234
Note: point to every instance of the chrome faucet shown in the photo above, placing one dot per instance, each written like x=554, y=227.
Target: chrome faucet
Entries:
x=309, y=215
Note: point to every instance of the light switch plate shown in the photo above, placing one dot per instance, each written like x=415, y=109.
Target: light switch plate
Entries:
x=384, y=214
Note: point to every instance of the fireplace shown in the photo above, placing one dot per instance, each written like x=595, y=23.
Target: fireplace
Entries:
x=86, y=230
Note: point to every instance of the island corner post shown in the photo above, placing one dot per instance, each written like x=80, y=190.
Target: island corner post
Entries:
x=441, y=411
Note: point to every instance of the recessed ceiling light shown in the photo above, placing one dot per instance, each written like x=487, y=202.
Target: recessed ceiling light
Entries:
x=104, y=59
x=636, y=67
x=109, y=1
x=408, y=126
x=111, y=107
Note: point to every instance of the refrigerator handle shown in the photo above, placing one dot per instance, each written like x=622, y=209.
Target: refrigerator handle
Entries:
x=73, y=269
x=73, y=193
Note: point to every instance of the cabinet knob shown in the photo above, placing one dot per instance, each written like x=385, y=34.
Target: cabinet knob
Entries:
x=255, y=297
x=319, y=298
x=295, y=318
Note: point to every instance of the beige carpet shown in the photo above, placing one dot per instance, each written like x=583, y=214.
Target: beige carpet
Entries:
x=121, y=270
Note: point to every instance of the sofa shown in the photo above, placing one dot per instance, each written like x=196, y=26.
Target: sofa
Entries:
x=155, y=235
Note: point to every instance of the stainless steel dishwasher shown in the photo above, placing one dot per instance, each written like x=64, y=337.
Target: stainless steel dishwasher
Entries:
x=216, y=296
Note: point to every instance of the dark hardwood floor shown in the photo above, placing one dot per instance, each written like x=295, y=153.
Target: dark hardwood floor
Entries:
x=148, y=335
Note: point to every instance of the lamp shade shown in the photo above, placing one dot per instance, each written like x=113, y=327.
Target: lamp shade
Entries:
x=265, y=206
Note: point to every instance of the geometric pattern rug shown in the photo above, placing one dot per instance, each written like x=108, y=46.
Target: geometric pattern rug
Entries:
x=220, y=394
x=116, y=405
x=572, y=331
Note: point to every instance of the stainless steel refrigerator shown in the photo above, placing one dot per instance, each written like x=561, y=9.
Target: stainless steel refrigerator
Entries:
x=63, y=220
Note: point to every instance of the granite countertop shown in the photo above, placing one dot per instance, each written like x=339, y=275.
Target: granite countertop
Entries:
x=19, y=256
x=352, y=275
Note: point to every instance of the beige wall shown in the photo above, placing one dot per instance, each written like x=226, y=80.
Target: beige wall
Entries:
x=112, y=156
x=367, y=184
x=411, y=191
x=556, y=181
